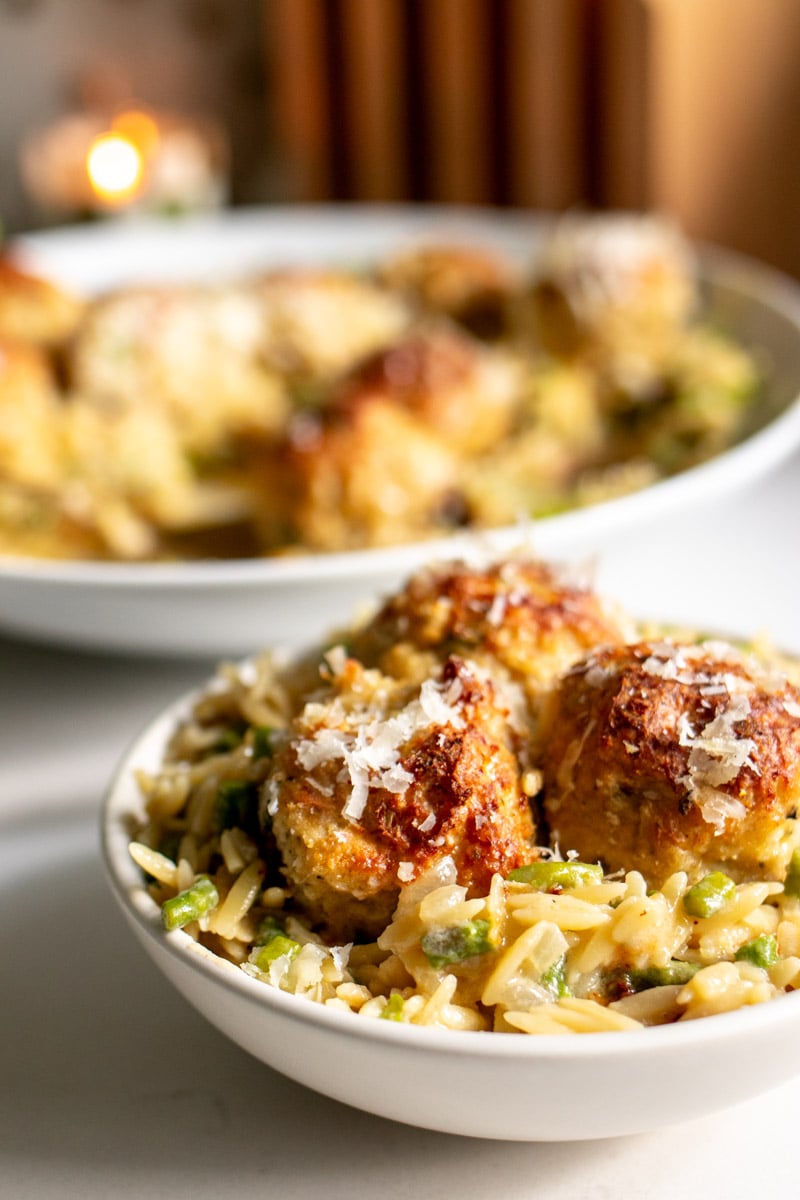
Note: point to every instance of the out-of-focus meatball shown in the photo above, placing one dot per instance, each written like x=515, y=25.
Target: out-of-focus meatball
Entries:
x=380, y=780
x=469, y=284
x=368, y=476
x=522, y=619
x=381, y=462
x=30, y=418
x=40, y=509
x=663, y=757
x=463, y=392
x=135, y=485
x=33, y=310
x=605, y=279
x=193, y=353
x=317, y=324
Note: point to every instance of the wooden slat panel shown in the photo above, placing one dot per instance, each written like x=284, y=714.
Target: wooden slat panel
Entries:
x=374, y=101
x=458, y=91
x=624, y=98
x=546, y=102
x=298, y=85
x=465, y=101
x=726, y=122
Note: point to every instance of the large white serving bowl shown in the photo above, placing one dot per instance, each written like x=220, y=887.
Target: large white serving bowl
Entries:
x=488, y=1085
x=216, y=608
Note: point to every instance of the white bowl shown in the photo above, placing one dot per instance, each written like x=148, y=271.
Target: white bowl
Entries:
x=488, y=1085
x=211, y=609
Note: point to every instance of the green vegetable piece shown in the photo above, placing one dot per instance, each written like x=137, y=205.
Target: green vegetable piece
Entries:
x=393, y=1009
x=262, y=741
x=190, y=905
x=555, y=978
x=761, y=951
x=709, y=895
x=269, y=927
x=549, y=875
x=457, y=942
x=676, y=972
x=791, y=884
x=236, y=805
x=276, y=947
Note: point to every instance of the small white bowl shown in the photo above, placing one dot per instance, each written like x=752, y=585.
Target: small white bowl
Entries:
x=489, y=1085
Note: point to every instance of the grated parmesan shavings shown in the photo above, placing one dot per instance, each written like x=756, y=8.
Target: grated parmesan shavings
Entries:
x=717, y=754
x=370, y=754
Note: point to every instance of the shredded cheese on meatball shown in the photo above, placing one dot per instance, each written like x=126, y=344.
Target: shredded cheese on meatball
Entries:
x=371, y=752
x=717, y=754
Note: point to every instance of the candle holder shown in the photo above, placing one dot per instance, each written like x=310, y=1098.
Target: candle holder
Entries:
x=136, y=160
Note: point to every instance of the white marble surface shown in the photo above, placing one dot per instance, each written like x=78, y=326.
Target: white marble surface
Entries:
x=111, y=1087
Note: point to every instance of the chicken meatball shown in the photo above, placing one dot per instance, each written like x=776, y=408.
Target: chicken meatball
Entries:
x=193, y=353
x=661, y=757
x=317, y=324
x=470, y=284
x=379, y=781
x=522, y=619
x=465, y=393
x=33, y=310
x=605, y=279
x=380, y=463
x=343, y=481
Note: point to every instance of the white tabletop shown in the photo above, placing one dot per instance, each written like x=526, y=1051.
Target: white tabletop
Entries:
x=110, y=1086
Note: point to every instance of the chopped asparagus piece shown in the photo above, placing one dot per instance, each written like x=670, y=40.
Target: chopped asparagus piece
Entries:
x=190, y=905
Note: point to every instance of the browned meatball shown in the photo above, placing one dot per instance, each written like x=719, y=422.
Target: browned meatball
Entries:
x=462, y=391
x=318, y=323
x=192, y=352
x=380, y=781
x=609, y=280
x=661, y=757
x=380, y=463
x=519, y=616
x=346, y=481
x=470, y=284
x=34, y=310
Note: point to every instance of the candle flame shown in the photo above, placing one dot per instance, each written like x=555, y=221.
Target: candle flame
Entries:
x=115, y=167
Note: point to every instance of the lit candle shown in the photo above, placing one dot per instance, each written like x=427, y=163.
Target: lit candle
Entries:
x=136, y=160
x=115, y=168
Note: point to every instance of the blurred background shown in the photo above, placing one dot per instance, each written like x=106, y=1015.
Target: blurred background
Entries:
x=687, y=106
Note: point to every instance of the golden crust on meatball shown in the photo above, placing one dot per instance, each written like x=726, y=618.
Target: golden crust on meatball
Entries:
x=461, y=391
x=343, y=481
x=381, y=462
x=661, y=757
x=470, y=284
x=609, y=279
x=380, y=781
x=519, y=615
x=33, y=310
x=193, y=353
x=319, y=323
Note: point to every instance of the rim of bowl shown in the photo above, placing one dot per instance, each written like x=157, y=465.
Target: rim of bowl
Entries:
x=121, y=802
